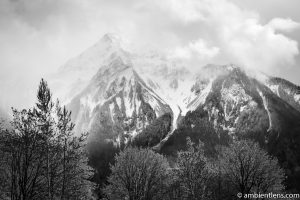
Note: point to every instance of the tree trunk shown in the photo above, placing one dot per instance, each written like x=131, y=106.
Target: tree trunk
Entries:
x=48, y=172
x=64, y=171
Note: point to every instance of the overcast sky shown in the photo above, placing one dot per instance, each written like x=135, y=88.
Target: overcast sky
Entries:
x=38, y=36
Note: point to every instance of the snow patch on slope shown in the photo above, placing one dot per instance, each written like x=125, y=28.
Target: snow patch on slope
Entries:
x=201, y=98
x=119, y=101
x=265, y=102
x=89, y=103
x=234, y=101
x=275, y=89
x=111, y=109
x=297, y=98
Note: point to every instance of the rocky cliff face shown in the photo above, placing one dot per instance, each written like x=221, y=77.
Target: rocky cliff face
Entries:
x=121, y=93
x=117, y=104
x=285, y=90
x=148, y=100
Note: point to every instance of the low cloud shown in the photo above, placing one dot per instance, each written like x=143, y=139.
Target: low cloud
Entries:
x=198, y=49
x=285, y=25
x=237, y=35
x=38, y=36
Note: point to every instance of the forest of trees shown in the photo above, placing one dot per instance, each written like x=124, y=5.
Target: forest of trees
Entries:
x=243, y=167
x=42, y=158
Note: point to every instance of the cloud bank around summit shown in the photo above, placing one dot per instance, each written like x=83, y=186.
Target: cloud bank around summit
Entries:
x=38, y=36
x=227, y=33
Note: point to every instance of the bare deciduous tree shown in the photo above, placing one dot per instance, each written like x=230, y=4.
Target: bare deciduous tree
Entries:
x=246, y=168
x=138, y=174
x=193, y=172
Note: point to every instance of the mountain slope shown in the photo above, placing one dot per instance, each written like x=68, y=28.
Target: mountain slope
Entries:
x=75, y=75
x=286, y=91
x=117, y=103
x=243, y=107
x=126, y=95
x=148, y=100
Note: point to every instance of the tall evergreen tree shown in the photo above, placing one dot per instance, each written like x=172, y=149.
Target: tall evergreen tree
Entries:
x=74, y=169
x=44, y=108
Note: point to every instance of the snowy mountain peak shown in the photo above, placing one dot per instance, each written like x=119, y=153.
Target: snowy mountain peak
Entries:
x=111, y=38
x=75, y=75
x=95, y=56
x=108, y=85
x=151, y=100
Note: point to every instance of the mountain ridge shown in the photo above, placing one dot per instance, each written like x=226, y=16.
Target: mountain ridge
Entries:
x=181, y=90
x=148, y=100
